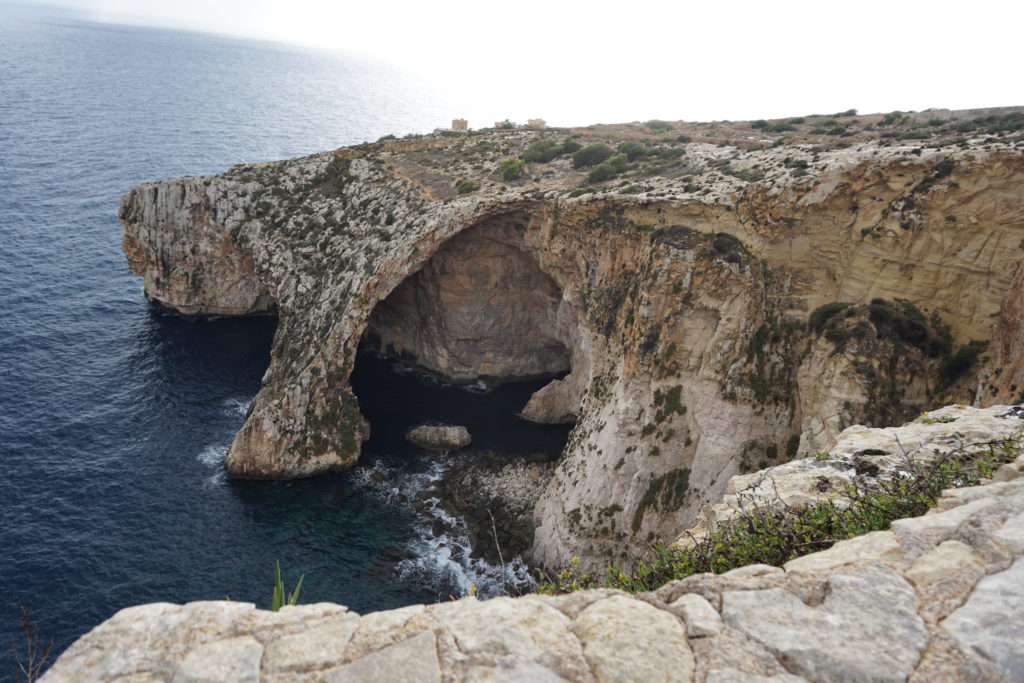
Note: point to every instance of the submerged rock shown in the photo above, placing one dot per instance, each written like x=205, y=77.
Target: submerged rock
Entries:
x=439, y=437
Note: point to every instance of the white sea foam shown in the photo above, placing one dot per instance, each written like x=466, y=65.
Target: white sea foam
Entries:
x=212, y=455
x=215, y=480
x=477, y=387
x=236, y=406
x=442, y=561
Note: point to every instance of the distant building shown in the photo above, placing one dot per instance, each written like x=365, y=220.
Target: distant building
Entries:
x=504, y=124
x=460, y=124
x=536, y=123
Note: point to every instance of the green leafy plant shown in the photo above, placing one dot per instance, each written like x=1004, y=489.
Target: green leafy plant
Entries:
x=570, y=146
x=281, y=595
x=591, y=155
x=633, y=150
x=466, y=186
x=659, y=126
x=600, y=173
x=511, y=169
x=543, y=151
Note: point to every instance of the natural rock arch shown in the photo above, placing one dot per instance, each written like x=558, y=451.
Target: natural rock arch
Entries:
x=480, y=307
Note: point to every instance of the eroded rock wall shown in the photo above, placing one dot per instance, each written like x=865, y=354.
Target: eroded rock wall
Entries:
x=684, y=315
x=181, y=245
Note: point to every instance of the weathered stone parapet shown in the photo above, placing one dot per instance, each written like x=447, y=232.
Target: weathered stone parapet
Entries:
x=935, y=597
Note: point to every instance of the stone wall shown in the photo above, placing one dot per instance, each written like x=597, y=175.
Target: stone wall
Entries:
x=937, y=597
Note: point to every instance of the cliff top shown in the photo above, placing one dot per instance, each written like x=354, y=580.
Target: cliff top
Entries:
x=676, y=159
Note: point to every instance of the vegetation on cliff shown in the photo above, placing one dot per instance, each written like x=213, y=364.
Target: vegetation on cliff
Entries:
x=776, y=535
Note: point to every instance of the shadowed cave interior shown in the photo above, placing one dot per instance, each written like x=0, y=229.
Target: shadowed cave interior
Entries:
x=480, y=308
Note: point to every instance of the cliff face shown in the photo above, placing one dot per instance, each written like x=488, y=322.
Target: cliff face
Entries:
x=680, y=309
x=187, y=260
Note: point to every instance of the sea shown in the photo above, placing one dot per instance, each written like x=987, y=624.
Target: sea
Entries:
x=114, y=416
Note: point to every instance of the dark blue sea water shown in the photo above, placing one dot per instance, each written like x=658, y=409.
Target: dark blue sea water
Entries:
x=113, y=416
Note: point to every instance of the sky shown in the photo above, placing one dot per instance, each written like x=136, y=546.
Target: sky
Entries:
x=575, y=63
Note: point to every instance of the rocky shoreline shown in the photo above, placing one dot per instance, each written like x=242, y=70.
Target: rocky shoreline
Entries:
x=936, y=597
x=496, y=496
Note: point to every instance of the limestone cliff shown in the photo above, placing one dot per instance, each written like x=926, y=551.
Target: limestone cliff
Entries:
x=678, y=300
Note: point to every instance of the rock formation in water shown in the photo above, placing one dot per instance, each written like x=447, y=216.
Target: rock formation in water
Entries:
x=495, y=496
x=439, y=437
x=736, y=299
x=936, y=597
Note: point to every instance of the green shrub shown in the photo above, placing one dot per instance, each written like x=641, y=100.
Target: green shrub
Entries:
x=891, y=118
x=511, y=168
x=618, y=163
x=905, y=323
x=665, y=492
x=960, y=362
x=542, y=151
x=633, y=150
x=591, y=155
x=822, y=314
x=780, y=128
x=570, y=146
x=465, y=186
x=601, y=173
x=660, y=126
x=760, y=123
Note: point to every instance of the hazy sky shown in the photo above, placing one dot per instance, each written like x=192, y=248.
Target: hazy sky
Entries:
x=577, y=63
